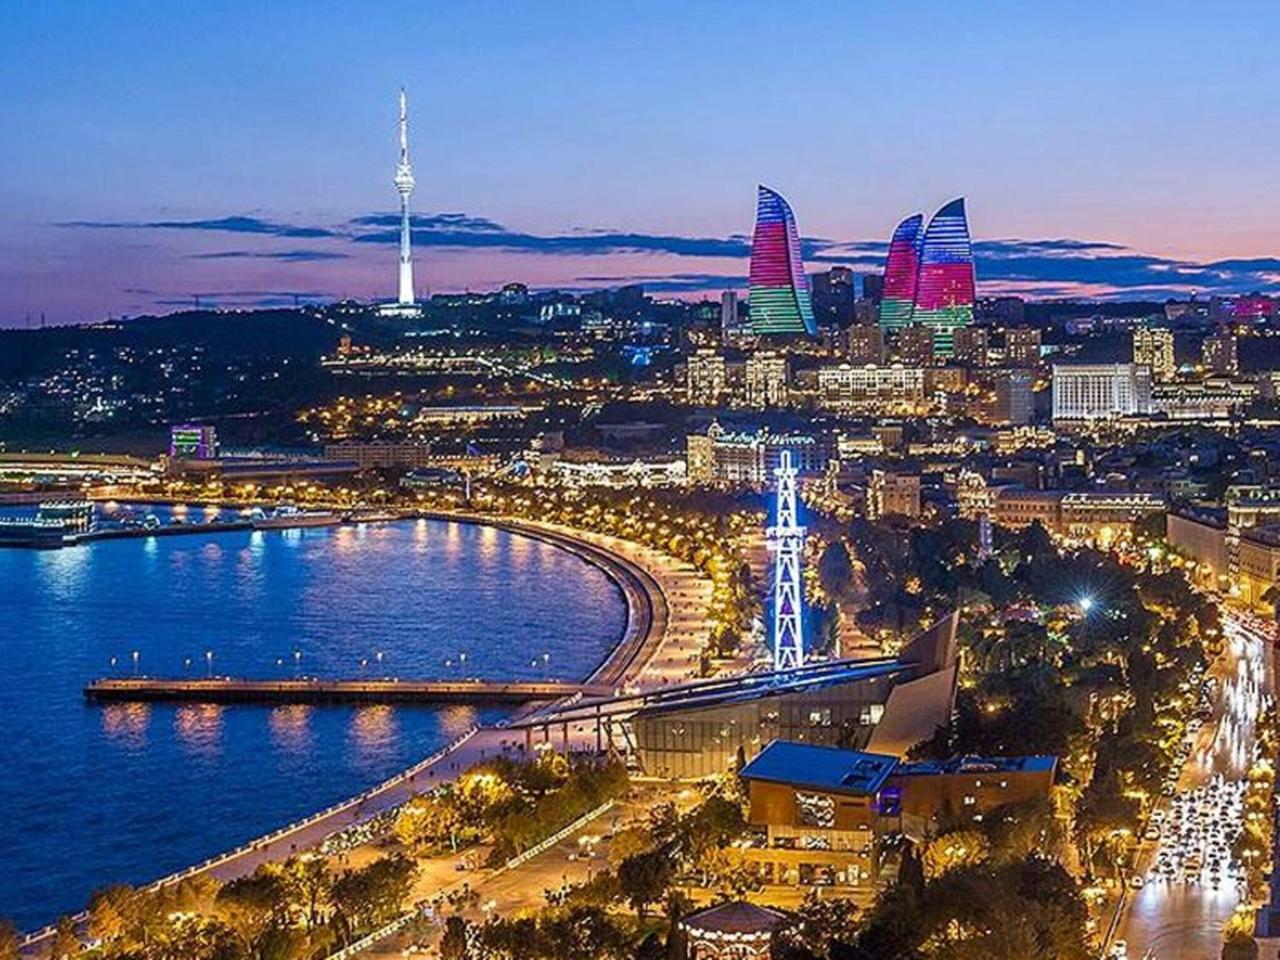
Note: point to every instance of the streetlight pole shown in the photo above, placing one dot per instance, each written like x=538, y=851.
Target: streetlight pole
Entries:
x=208, y=664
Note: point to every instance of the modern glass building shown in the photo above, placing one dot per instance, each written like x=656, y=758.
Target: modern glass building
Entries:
x=780, y=298
x=901, y=270
x=945, y=288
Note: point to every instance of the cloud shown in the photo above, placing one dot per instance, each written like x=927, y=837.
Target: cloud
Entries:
x=290, y=256
x=232, y=224
x=1095, y=268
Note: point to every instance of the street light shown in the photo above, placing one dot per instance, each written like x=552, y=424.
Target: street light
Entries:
x=135, y=663
x=1086, y=604
x=208, y=664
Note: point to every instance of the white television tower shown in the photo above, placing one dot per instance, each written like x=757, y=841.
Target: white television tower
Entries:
x=786, y=539
x=404, y=186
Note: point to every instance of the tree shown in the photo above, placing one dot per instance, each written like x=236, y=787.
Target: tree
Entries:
x=8, y=941
x=66, y=943
x=835, y=571
x=950, y=851
x=251, y=905
x=307, y=881
x=375, y=893
x=819, y=923
x=644, y=879
x=453, y=943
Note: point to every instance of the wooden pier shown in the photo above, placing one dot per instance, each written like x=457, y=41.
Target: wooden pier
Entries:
x=231, y=690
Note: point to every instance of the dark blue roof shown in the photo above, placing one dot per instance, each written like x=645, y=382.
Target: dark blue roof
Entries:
x=821, y=768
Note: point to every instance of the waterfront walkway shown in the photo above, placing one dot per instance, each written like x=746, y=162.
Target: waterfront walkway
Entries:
x=667, y=629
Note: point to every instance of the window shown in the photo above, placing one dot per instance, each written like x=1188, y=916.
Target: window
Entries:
x=815, y=810
x=970, y=800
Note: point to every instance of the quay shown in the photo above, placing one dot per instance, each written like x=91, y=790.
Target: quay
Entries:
x=305, y=690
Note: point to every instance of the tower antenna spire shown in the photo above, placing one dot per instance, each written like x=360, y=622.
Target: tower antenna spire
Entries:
x=404, y=186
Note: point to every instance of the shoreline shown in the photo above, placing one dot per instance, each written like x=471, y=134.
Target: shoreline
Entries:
x=648, y=623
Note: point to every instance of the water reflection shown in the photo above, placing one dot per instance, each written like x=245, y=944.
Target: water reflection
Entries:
x=291, y=728
x=199, y=728
x=125, y=724
x=372, y=735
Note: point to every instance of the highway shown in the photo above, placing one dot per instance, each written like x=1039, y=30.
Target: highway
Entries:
x=1179, y=912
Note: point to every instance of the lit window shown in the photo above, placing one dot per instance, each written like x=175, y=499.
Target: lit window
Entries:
x=970, y=800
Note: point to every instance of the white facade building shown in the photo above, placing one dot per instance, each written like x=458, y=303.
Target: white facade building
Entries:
x=1100, y=391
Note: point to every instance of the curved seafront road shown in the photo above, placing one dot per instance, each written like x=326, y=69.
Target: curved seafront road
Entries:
x=666, y=627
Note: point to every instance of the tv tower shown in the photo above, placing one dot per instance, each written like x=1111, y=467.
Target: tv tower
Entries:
x=404, y=186
x=786, y=539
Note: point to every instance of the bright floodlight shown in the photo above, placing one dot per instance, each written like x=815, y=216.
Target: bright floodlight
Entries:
x=1086, y=604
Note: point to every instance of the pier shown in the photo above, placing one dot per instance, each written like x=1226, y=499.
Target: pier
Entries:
x=231, y=690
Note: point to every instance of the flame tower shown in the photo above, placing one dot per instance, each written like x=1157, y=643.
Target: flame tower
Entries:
x=945, y=290
x=786, y=538
x=901, y=271
x=404, y=187
x=780, y=299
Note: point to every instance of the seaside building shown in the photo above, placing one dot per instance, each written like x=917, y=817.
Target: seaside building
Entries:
x=193, y=441
x=901, y=270
x=945, y=289
x=826, y=811
x=780, y=298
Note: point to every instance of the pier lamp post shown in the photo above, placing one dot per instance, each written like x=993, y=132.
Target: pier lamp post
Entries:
x=297, y=661
x=208, y=664
x=135, y=663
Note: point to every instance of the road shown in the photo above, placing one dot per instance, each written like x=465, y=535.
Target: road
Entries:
x=1175, y=919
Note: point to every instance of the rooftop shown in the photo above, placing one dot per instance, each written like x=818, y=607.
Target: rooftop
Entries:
x=821, y=768
x=737, y=917
x=1033, y=764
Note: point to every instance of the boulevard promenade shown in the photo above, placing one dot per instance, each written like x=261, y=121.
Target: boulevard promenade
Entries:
x=667, y=601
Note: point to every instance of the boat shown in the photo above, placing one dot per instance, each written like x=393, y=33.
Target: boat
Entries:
x=57, y=523
x=287, y=516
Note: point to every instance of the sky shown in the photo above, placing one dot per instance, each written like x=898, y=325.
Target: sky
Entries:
x=243, y=152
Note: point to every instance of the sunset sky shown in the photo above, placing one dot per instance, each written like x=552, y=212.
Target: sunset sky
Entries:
x=244, y=151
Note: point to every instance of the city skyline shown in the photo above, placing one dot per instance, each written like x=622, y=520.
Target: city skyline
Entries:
x=241, y=197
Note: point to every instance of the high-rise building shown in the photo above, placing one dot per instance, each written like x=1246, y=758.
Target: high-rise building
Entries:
x=728, y=315
x=833, y=297
x=765, y=376
x=971, y=345
x=916, y=345
x=780, y=299
x=872, y=287
x=945, y=289
x=1100, y=391
x=1153, y=346
x=1022, y=346
x=1220, y=354
x=1014, y=401
x=901, y=270
x=705, y=377
x=866, y=343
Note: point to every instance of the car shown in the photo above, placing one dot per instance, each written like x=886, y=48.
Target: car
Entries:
x=1151, y=833
x=1119, y=950
x=1136, y=882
